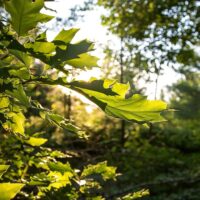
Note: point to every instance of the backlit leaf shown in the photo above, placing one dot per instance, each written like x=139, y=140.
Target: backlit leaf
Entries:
x=70, y=51
x=65, y=36
x=41, y=45
x=60, y=51
x=22, y=56
x=83, y=60
x=60, y=121
x=114, y=102
x=25, y=14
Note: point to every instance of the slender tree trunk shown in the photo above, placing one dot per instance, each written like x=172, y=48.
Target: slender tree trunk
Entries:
x=157, y=71
x=156, y=86
x=67, y=104
x=123, y=123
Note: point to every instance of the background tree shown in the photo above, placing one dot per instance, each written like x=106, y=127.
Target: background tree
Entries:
x=29, y=61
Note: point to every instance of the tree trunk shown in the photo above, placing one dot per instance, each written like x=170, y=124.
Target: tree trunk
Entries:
x=123, y=123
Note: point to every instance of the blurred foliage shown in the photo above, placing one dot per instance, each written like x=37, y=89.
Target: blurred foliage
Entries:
x=154, y=35
x=160, y=32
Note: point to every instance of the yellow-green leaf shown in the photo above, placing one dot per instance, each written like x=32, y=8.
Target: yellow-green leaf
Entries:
x=111, y=97
x=22, y=56
x=107, y=172
x=4, y=102
x=65, y=36
x=59, y=180
x=84, y=60
x=33, y=141
x=15, y=122
x=9, y=190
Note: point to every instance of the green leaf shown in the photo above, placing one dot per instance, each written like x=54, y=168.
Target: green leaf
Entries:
x=136, y=108
x=73, y=50
x=60, y=180
x=25, y=14
x=60, y=51
x=3, y=169
x=65, y=36
x=41, y=45
x=33, y=141
x=57, y=154
x=110, y=96
x=20, y=95
x=40, y=179
x=101, y=168
x=69, y=52
x=84, y=60
x=60, y=121
x=13, y=44
x=22, y=56
x=9, y=190
x=22, y=73
x=59, y=167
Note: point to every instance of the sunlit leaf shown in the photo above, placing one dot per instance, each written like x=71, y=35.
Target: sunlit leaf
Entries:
x=84, y=60
x=33, y=141
x=40, y=179
x=22, y=56
x=60, y=51
x=58, y=154
x=9, y=190
x=111, y=97
x=15, y=122
x=41, y=45
x=20, y=73
x=65, y=36
x=59, y=180
x=71, y=51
